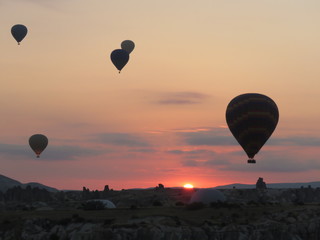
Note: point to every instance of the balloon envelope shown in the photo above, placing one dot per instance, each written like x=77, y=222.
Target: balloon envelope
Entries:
x=252, y=118
x=38, y=143
x=19, y=31
x=119, y=58
x=127, y=45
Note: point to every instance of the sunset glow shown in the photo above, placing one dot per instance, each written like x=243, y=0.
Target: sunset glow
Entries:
x=188, y=185
x=163, y=119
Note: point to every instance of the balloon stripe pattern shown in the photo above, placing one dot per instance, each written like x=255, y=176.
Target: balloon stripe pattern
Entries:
x=252, y=118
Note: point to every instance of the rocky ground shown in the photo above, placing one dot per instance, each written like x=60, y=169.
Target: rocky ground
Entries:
x=165, y=214
x=214, y=222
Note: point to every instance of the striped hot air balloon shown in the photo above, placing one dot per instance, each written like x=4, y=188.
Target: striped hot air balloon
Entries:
x=252, y=118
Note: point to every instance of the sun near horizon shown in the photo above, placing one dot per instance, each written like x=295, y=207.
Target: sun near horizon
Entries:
x=188, y=185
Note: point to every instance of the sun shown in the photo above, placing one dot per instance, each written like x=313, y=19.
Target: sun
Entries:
x=188, y=185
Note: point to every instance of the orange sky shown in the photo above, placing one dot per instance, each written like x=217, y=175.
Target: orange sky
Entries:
x=162, y=120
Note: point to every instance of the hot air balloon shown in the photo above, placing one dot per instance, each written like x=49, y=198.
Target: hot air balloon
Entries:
x=38, y=143
x=252, y=118
x=127, y=45
x=119, y=58
x=19, y=31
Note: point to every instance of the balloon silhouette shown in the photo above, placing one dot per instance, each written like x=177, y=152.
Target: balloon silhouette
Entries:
x=19, y=31
x=119, y=58
x=38, y=143
x=127, y=45
x=252, y=118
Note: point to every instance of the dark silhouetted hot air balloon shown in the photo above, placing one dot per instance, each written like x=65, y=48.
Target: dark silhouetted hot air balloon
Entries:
x=119, y=58
x=38, y=143
x=252, y=118
x=127, y=45
x=19, y=31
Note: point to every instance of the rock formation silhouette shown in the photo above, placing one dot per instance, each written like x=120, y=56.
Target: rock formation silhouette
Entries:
x=261, y=184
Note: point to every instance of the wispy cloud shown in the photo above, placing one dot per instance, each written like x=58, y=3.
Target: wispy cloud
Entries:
x=191, y=163
x=142, y=150
x=70, y=152
x=122, y=139
x=223, y=137
x=210, y=140
x=14, y=149
x=213, y=137
x=295, y=140
x=201, y=158
x=52, y=152
x=189, y=130
x=276, y=163
x=218, y=162
x=181, y=98
x=271, y=161
x=177, y=101
x=178, y=130
x=193, y=153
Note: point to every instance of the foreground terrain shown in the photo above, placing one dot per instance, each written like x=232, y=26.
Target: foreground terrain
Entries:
x=197, y=222
x=160, y=214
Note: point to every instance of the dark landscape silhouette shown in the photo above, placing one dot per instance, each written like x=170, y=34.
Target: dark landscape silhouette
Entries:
x=43, y=212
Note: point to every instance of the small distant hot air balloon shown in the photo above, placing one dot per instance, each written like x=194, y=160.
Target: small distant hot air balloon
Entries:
x=252, y=118
x=127, y=45
x=119, y=58
x=38, y=143
x=19, y=31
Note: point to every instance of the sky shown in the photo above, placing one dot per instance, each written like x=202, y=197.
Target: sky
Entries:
x=162, y=120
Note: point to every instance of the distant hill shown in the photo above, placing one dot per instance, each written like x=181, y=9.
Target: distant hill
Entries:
x=271, y=185
x=39, y=185
x=6, y=183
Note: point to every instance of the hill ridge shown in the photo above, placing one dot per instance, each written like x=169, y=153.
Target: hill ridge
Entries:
x=7, y=182
x=314, y=184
